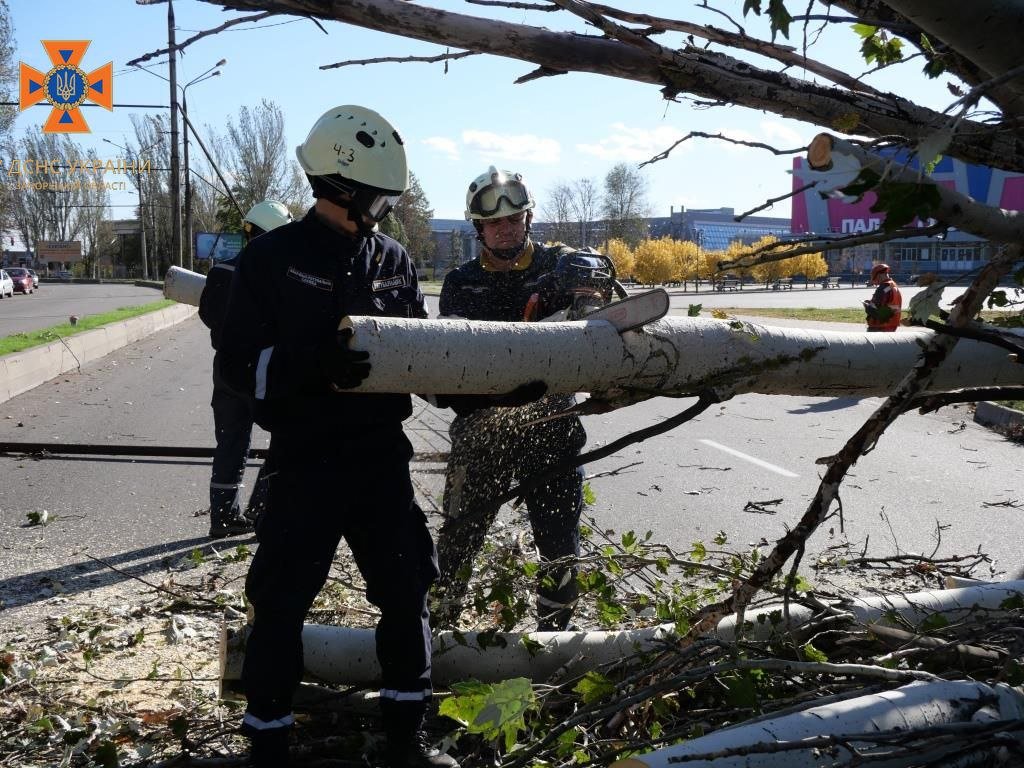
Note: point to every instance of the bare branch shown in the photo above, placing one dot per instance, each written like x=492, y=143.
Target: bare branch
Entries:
x=773, y=200
x=402, y=59
x=721, y=137
x=766, y=254
x=205, y=33
x=930, y=403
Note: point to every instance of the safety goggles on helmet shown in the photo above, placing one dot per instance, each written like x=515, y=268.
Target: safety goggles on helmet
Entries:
x=488, y=201
x=372, y=202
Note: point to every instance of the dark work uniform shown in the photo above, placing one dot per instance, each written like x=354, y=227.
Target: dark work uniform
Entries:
x=232, y=410
x=341, y=460
x=492, y=449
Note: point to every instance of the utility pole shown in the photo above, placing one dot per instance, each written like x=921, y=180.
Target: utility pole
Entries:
x=175, y=162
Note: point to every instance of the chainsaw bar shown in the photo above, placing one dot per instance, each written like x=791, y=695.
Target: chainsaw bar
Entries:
x=634, y=311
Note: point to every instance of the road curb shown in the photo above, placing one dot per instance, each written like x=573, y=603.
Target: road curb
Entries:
x=22, y=371
x=991, y=414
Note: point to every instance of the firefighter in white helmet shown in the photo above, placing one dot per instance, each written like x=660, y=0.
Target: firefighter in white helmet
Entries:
x=493, y=448
x=232, y=410
x=340, y=457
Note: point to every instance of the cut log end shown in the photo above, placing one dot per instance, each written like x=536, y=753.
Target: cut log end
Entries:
x=819, y=153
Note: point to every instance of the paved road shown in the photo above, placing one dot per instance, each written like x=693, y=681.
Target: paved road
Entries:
x=53, y=303
x=688, y=484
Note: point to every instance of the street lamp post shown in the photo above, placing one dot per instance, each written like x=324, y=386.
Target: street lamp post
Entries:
x=142, y=212
x=211, y=72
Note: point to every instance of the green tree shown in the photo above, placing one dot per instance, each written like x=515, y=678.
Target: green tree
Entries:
x=414, y=212
x=625, y=205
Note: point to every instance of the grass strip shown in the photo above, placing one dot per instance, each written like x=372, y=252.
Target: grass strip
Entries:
x=17, y=342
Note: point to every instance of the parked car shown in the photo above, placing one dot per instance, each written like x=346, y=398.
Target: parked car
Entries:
x=6, y=284
x=22, y=279
x=63, y=275
x=35, y=278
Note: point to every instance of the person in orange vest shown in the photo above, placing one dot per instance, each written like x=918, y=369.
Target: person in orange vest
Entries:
x=883, y=309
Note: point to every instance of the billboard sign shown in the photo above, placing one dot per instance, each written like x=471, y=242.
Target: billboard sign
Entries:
x=218, y=246
x=59, y=250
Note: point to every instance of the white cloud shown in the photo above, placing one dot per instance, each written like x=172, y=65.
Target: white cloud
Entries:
x=631, y=144
x=516, y=148
x=441, y=145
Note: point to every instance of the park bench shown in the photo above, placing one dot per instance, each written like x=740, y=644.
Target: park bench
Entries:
x=783, y=284
x=728, y=284
x=830, y=282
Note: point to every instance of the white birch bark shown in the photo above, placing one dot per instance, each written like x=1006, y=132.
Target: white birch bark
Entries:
x=917, y=705
x=674, y=356
x=184, y=285
x=954, y=604
x=348, y=655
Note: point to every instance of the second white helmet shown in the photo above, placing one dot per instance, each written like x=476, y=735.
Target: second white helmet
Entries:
x=496, y=194
x=268, y=215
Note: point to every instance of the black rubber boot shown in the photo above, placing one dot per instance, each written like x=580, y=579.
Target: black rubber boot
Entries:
x=407, y=744
x=269, y=748
x=230, y=526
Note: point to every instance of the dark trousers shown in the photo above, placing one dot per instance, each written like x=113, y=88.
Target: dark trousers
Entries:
x=490, y=453
x=360, y=491
x=232, y=420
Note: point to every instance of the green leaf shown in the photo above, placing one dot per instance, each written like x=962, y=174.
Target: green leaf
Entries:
x=495, y=711
x=693, y=310
x=902, y=202
x=813, y=654
x=589, y=497
x=106, y=755
x=721, y=538
x=532, y=646
x=1015, y=602
x=740, y=691
x=698, y=552
x=179, y=726
x=933, y=622
x=629, y=542
x=593, y=687
x=864, y=30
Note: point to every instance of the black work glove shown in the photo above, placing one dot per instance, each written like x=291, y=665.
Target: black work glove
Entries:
x=463, y=405
x=344, y=368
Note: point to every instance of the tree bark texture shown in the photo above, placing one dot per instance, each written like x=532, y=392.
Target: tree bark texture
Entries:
x=915, y=706
x=674, y=356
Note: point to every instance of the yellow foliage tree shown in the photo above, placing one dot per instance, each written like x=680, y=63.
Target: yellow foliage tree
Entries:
x=811, y=265
x=655, y=261
x=622, y=257
x=691, y=260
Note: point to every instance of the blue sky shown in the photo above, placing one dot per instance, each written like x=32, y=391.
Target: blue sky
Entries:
x=456, y=124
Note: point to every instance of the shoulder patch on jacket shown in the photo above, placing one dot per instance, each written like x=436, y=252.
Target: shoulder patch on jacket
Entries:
x=314, y=281
x=388, y=283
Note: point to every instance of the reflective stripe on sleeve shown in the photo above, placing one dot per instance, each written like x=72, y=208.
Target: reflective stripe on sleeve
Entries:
x=261, y=373
x=265, y=725
x=390, y=693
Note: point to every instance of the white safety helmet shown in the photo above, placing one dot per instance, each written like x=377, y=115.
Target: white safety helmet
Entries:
x=354, y=150
x=496, y=194
x=265, y=216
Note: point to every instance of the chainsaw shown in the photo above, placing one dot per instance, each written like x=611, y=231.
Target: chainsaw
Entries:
x=582, y=286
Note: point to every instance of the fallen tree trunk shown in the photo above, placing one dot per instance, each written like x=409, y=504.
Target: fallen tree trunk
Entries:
x=348, y=655
x=875, y=726
x=895, y=610
x=674, y=356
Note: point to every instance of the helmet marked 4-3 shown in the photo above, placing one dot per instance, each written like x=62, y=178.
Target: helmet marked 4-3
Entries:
x=357, y=152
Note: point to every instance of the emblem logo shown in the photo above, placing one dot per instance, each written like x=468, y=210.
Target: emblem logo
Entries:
x=66, y=86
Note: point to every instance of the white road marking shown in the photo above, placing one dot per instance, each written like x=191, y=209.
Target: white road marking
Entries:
x=751, y=459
